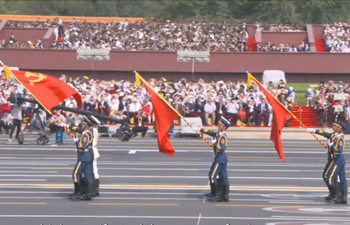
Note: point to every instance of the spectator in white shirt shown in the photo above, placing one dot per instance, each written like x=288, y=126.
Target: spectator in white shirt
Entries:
x=134, y=107
x=209, y=109
x=6, y=121
x=232, y=111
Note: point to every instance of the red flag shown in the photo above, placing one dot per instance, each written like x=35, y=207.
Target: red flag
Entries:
x=164, y=117
x=47, y=90
x=280, y=116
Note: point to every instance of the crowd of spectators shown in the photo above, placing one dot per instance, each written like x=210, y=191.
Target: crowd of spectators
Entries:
x=337, y=37
x=120, y=100
x=153, y=36
x=123, y=99
x=331, y=102
x=145, y=36
x=269, y=47
x=267, y=27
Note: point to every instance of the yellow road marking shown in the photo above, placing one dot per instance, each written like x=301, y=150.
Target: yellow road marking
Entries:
x=133, y=204
x=52, y=168
x=231, y=144
x=43, y=155
x=162, y=169
x=22, y=203
x=164, y=184
x=262, y=206
x=266, y=157
x=273, y=171
x=256, y=160
x=183, y=187
x=173, y=159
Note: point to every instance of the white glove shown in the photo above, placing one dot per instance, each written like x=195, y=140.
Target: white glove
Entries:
x=330, y=144
x=329, y=141
x=64, y=125
x=197, y=129
x=311, y=130
x=213, y=140
x=75, y=140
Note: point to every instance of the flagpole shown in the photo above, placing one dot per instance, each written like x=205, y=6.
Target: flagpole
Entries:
x=301, y=123
x=72, y=135
x=200, y=135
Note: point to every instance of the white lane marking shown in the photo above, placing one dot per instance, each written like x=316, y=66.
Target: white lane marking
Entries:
x=22, y=179
x=107, y=198
x=334, y=219
x=156, y=193
x=165, y=199
x=132, y=151
x=199, y=218
x=171, y=177
x=160, y=163
x=26, y=171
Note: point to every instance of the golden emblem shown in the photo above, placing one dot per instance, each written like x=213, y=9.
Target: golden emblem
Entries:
x=39, y=77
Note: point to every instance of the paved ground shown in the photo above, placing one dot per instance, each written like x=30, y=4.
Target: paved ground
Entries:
x=142, y=186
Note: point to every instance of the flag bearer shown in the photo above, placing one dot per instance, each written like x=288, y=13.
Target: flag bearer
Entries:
x=333, y=192
x=337, y=166
x=220, y=166
x=84, y=163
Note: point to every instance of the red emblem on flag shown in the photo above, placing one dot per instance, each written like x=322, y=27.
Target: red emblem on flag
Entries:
x=85, y=139
x=340, y=143
x=223, y=141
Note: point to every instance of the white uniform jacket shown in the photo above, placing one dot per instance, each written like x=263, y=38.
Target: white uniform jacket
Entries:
x=94, y=143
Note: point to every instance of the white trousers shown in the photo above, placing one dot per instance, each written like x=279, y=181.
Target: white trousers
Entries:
x=95, y=169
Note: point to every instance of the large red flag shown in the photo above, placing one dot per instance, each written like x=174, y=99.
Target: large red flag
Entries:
x=164, y=117
x=280, y=116
x=47, y=90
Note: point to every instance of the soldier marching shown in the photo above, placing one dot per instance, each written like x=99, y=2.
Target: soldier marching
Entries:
x=335, y=166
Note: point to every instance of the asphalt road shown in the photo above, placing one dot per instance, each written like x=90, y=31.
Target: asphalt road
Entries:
x=139, y=185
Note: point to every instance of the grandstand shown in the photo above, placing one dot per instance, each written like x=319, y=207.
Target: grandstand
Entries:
x=51, y=37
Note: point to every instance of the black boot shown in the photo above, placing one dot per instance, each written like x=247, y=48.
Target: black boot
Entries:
x=93, y=192
x=215, y=191
x=76, y=196
x=76, y=190
x=224, y=196
x=88, y=197
x=97, y=190
x=212, y=191
x=343, y=199
x=220, y=185
x=83, y=186
x=332, y=194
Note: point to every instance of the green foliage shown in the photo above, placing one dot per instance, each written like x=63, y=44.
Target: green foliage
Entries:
x=279, y=11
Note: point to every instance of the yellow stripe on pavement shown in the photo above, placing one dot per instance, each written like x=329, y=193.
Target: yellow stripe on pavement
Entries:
x=163, y=169
x=262, y=206
x=131, y=204
x=22, y=203
x=273, y=171
x=175, y=187
x=173, y=159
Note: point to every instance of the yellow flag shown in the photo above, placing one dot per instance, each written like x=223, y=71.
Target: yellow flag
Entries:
x=7, y=73
x=249, y=80
x=137, y=80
